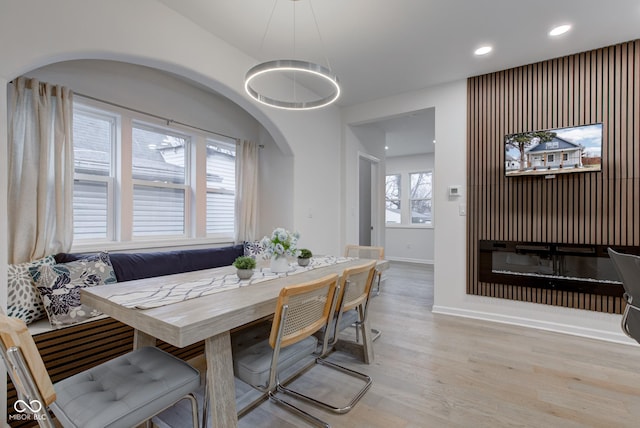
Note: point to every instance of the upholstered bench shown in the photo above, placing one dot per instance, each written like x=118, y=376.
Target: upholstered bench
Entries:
x=131, y=266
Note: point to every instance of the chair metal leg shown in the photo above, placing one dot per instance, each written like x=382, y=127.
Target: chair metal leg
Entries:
x=194, y=412
x=205, y=405
x=27, y=390
x=339, y=410
x=194, y=409
x=300, y=412
x=376, y=334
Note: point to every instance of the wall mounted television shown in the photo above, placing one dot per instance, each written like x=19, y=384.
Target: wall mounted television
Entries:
x=546, y=153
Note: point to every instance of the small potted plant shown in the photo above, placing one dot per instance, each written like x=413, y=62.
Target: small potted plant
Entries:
x=304, y=257
x=244, y=266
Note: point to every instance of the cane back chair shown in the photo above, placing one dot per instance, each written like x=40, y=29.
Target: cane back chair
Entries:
x=301, y=311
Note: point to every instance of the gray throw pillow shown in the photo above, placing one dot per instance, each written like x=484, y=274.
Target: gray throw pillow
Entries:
x=60, y=285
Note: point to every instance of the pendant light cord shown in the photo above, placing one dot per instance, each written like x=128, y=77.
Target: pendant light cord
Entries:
x=322, y=46
x=266, y=30
x=295, y=92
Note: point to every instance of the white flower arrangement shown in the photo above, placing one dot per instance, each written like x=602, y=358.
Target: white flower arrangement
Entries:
x=281, y=243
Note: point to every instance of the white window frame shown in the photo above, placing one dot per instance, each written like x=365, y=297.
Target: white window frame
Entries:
x=114, y=120
x=220, y=190
x=405, y=202
x=121, y=183
x=399, y=200
x=409, y=199
x=186, y=187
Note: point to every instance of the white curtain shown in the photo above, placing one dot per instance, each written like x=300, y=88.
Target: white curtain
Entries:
x=246, y=191
x=40, y=194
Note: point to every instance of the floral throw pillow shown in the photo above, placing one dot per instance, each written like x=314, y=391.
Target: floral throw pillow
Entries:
x=23, y=299
x=60, y=285
x=253, y=249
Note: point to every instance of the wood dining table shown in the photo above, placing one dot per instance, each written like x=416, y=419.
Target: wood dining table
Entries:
x=208, y=318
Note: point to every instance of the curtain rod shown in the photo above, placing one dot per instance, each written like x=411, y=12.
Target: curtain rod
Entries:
x=169, y=121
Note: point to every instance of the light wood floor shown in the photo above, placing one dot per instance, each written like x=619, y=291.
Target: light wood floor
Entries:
x=442, y=371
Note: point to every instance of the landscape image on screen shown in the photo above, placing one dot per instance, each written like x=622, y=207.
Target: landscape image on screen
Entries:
x=555, y=151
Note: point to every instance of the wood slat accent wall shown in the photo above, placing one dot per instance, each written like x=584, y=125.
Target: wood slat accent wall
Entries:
x=601, y=85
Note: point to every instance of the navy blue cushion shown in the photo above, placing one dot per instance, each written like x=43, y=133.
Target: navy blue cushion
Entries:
x=130, y=266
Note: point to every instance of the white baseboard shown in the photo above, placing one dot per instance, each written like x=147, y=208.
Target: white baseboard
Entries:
x=538, y=324
x=407, y=260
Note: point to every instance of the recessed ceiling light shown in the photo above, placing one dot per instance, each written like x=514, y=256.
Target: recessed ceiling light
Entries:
x=560, y=29
x=483, y=50
x=386, y=147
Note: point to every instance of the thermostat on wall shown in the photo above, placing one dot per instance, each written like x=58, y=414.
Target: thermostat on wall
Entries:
x=454, y=190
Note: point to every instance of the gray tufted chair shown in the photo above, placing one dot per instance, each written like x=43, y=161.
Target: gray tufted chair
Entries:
x=123, y=392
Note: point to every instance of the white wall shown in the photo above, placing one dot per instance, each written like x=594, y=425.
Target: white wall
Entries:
x=367, y=141
x=450, y=268
x=409, y=243
x=275, y=178
x=151, y=91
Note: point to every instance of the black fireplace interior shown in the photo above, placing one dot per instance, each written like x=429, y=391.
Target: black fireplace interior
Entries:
x=567, y=267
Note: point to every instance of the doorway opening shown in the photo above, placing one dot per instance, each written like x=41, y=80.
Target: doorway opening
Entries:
x=368, y=200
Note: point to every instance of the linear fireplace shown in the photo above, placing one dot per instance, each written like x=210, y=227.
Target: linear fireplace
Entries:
x=567, y=267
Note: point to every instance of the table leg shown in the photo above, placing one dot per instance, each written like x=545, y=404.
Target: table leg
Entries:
x=220, y=383
x=142, y=339
x=367, y=342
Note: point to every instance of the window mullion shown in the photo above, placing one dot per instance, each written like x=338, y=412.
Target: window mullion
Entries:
x=111, y=221
x=126, y=180
x=199, y=186
x=113, y=191
x=405, y=200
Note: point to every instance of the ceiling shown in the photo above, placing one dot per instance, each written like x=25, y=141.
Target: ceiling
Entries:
x=381, y=48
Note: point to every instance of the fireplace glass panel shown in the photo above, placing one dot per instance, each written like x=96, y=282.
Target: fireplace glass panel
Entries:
x=596, y=269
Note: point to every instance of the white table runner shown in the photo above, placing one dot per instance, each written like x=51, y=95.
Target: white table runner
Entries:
x=174, y=292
